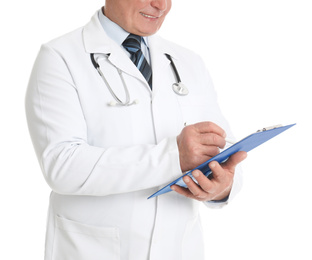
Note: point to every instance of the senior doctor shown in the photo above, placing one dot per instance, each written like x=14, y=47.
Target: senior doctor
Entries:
x=103, y=158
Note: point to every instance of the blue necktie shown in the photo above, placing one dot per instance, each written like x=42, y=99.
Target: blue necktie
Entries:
x=133, y=45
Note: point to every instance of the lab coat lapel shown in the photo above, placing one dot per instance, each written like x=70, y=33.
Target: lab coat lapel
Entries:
x=166, y=110
x=97, y=41
x=119, y=59
x=160, y=63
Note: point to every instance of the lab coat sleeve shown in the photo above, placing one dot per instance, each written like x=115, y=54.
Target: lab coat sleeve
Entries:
x=59, y=134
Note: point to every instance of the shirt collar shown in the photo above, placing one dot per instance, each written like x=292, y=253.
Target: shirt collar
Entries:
x=114, y=31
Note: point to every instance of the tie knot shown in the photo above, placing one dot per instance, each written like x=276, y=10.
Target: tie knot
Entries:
x=132, y=43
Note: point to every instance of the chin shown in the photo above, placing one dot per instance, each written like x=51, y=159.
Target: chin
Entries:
x=147, y=28
x=148, y=32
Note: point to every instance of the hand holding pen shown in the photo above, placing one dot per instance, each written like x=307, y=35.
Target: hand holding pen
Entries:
x=198, y=143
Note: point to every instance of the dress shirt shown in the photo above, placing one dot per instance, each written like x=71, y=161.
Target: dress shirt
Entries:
x=118, y=34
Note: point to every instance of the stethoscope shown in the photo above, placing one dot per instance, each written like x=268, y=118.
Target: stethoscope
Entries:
x=178, y=87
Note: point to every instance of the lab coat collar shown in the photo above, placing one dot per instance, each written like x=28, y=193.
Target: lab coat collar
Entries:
x=96, y=40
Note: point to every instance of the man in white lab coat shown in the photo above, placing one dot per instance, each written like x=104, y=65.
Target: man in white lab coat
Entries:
x=102, y=159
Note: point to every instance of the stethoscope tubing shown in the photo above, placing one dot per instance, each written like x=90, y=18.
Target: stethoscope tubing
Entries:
x=177, y=87
x=97, y=67
x=175, y=71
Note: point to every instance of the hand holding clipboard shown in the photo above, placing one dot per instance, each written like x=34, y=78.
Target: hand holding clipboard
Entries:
x=247, y=144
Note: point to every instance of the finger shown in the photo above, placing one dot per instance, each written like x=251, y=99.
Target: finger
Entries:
x=212, y=139
x=217, y=170
x=222, y=179
x=205, y=184
x=182, y=191
x=196, y=190
x=187, y=193
x=209, y=127
x=235, y=159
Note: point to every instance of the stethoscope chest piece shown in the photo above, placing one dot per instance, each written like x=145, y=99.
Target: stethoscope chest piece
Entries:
x=180, y=89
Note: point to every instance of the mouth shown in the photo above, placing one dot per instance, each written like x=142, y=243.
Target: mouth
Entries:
x=150, y=16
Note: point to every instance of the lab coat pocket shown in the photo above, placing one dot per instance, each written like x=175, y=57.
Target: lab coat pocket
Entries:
x=77, y=241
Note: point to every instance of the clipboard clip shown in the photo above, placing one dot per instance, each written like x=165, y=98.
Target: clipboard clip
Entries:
x=269, y=128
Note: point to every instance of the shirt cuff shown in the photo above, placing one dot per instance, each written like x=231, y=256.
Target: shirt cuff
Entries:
x=220, y=201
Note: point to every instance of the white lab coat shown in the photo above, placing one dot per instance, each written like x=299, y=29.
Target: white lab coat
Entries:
x=102, y=162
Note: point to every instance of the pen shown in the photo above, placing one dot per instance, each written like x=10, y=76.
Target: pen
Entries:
x=229, y=141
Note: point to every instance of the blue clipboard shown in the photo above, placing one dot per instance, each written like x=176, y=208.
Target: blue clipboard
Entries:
x=247, y=144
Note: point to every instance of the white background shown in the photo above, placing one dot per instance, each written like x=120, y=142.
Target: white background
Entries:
x=259, y=54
